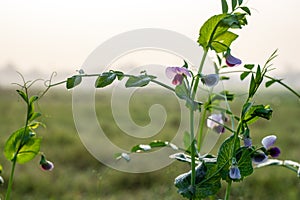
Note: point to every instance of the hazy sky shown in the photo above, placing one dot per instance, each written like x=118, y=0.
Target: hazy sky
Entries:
x=59, y=35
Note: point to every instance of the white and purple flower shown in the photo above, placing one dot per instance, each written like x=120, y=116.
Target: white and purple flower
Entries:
x=177, y=74
x=269, y=149
x=232, y=61
x=215, y=122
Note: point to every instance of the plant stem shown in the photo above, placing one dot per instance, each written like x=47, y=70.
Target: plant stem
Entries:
x=193, y=151
x=227, y=194
x=203, y=117
x=199, y=72
x=10, y=182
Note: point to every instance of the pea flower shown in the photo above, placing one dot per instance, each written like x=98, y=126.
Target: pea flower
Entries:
x=177, y=74
x=234, y=172
x=215, y=122
x=46, y=164
x=267, y=142
x=232, y=61
x=247, y=141
x=210, y=80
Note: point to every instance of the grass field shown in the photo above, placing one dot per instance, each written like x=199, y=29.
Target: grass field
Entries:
x=77, y=175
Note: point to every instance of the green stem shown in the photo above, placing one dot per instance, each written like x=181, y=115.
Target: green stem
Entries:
x=199, y=72
x=163, y=85
x=203, y=117
x=227, y=194
x=10, y=182
x=193, y=151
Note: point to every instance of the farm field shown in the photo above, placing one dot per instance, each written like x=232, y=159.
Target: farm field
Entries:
x=78, y=175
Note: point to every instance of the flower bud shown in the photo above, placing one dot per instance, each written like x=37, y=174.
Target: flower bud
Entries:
x=46, y=164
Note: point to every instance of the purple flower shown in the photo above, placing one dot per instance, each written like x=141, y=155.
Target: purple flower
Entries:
x=46, y=164
x=215, y=122
x=210, y=80
x=232, y=61
x=234, y=172
x=247, y=142
x=268, y=143
x=259, y=157
x=177, y=74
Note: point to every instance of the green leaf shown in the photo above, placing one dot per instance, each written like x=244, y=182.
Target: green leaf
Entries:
x=222, y=42
x=73, y=81
x=244, y=75
x=33, y=116
x=29, y=150
x=208, y=30
x=252, y=88
x=185, y=65
x=240, y=2
x=139, y=81
x=246, y=9
x=244, y=161
x=258, y=77
x=182, y=92
x=256, y=111
x=158, y=143
x=233, y=4
x=224, y=6
x=23, y=95
x=33, y=99
x=270, y=82
x=120, y=75
x=225, y=155
x=23, y=144
x=224, y=78
x=249, y=66
x=222, y=96
x=207, y=182
x=105, y=79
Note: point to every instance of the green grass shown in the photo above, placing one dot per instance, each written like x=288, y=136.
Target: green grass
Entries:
x=77, y=175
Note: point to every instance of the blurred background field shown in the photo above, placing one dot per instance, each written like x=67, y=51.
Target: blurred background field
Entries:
x=77, y=175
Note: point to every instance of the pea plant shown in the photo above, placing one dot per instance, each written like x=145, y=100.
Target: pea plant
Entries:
x=237, y=157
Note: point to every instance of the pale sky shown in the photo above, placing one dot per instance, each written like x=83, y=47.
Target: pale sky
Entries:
x=59, y=35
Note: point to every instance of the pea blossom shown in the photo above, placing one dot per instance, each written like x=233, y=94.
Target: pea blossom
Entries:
x=177, y=74
x=210, y=80
x=46, y=164
x=234, y=172
x=232, y=61
x=215, y=122
x=269, y=149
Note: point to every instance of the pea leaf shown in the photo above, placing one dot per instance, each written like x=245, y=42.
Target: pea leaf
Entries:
x=29, y=150
x=246, y=9
x=244, y=160
x=233, y=4
x=244, y=75
x=222, y=42
x=214, y=33
x=249, y=66
x=23, y=95
x=73, y=81
x=224, y=6
x=270, y=82
x=207, y=182
x=208, y=30
x=23, y=144
x=225, y=154
x=105, y=79
x=139, y=81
